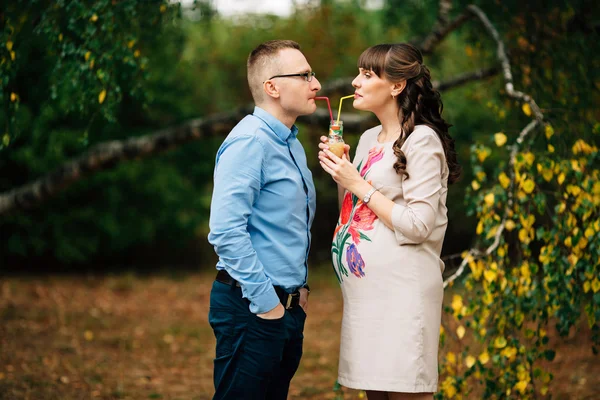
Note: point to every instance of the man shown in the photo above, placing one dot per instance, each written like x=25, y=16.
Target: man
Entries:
x=262, y=209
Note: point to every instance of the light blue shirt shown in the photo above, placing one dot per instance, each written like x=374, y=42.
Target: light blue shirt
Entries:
x=262, y=208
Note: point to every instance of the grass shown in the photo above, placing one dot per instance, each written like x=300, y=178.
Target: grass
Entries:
x=127, y=337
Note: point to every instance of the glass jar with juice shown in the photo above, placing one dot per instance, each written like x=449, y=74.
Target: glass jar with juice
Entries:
x=335, y=138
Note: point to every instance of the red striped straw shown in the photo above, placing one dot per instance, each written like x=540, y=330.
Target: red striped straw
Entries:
x=328, y=106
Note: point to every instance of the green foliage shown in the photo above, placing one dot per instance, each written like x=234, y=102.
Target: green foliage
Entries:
x=544, y=272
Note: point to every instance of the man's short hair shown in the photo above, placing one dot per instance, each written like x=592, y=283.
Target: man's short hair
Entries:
x=264, y=59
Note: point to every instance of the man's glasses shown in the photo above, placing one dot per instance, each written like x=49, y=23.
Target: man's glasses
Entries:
x=308, y=76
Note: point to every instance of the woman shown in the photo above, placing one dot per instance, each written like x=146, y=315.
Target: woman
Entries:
x=387, y=244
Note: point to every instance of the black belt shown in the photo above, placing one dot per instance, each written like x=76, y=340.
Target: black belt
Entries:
x=289, y=300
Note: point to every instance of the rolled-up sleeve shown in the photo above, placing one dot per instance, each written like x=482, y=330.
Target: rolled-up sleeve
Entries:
x=237, y=183
x=414, y=222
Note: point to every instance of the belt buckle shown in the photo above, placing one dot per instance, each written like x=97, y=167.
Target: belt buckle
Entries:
x=288, y=303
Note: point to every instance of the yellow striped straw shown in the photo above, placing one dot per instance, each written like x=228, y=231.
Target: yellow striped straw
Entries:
x=340, y=108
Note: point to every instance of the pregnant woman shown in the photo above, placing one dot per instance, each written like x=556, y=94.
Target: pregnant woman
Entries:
x=387, y=243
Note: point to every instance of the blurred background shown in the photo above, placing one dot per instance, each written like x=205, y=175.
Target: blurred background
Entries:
x=79, y=73
x=160, y=67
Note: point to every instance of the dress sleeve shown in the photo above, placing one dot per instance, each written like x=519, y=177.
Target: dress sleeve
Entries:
x=414, y=222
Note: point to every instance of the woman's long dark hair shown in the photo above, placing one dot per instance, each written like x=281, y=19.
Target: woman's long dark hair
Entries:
x=419, y=102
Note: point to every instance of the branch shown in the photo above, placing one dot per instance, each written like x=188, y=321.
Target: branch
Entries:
x=539, y=119
x=441, y=29
x=345, y=84
x=460, y=80
x=501, y=54
x=105, y=155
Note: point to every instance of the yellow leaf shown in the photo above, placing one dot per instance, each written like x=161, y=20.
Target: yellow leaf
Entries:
x=568, y=242
x=574, y=190
x=547, y=175
x=509, y=352
x=102, y=96
x=524, y=236
x=489, y=199
x=521, y=386
x=13, y=55
x=589, y=232
x=501, y=252
x=469, y=51
x=475, y=185
x=544, y=390
x=6, y=139
x=595, y=285
x=470, y=361
x=94, y=18
x=482, y=154
x=500, y=139
x=87, y=55
x=526, y=109
x=504, y=180
x=88, y=335
x=60, y=37
x=572, y=259
x=13, y=97
x=448, y=388
x=457, y=302
x=549, y=131
x=163, y=8
x=561, y=178
x=529, y=157
x=500, y=342
x=528, y=186
x=479, y=229
x=490, y=275
x=510, y=225
x=130, y=44
x=484, y=358
x=586, y=286
x=136, y=53
x=491, y=233
x=460, y=331
x=451, y=358
x=550, y=148
x=91, y=64
x=9, y=45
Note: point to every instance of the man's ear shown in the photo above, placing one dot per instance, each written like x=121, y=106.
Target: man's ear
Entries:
x=271, y=89
x=398, y=88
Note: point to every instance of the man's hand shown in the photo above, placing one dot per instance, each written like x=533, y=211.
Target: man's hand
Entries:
x=276, y=313
x=304, y=299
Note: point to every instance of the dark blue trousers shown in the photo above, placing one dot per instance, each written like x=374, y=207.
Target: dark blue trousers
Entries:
x=255, y=358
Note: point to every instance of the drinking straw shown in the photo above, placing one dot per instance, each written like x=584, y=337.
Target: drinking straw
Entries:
x=340, y=108
x=328, y=106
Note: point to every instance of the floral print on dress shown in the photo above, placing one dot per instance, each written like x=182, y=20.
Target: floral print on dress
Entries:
x=355, y=218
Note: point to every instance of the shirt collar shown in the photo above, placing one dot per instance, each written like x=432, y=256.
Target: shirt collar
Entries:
x=282, y=131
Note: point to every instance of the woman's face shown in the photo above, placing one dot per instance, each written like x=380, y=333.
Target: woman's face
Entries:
x=372, y=92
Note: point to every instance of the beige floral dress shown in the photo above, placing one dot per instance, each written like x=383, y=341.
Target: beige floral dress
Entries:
x=391, y=279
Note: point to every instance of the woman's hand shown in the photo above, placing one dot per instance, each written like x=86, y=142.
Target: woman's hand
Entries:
x=341, y=170
x=324, y=145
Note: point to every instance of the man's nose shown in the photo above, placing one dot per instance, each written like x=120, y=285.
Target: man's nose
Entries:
x=316, y=84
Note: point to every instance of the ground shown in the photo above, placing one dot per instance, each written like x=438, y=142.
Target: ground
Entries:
x=131, y=337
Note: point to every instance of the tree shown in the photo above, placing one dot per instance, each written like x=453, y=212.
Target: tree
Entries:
x=534, y=192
